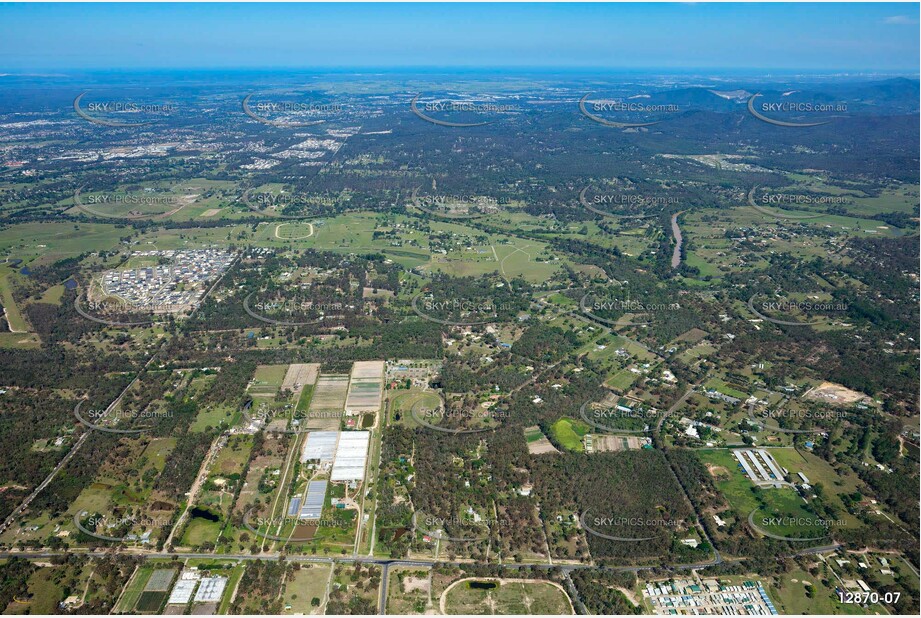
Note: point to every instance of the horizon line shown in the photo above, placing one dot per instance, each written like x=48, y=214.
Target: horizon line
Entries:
x=458, y=68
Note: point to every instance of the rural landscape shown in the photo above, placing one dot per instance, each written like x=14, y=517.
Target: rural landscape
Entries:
x=459, y=342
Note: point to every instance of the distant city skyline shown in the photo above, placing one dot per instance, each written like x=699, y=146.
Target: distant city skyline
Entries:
x=881, y=37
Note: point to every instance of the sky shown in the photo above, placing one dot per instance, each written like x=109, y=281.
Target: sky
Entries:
x=880, y=37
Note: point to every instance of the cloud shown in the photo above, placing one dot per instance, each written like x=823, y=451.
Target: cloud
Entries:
x=900, y=20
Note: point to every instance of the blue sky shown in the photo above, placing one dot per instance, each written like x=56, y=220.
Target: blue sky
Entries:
x=813, y=37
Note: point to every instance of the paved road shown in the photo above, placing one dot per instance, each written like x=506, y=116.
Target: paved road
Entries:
x=382, y=602
x=389, y=562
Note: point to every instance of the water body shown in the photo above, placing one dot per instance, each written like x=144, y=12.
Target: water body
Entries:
x=676, y=232
x=201, y=513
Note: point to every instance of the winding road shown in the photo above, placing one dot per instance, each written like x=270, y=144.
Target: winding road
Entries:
x=676, y=232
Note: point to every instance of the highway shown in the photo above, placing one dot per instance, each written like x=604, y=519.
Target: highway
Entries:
x=387, y=563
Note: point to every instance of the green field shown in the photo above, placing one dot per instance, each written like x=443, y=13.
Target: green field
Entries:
x=52, y=240
x=199, y=531
x=622, y=380
x=790, y=596
x=151, y=601
x=533, y=434
x=212, y=416
x=721, y=386
x=44, y=594
x=134, y=588
x=507, y=597
x=268, y=380
x=186, y=200
x=743, y=497
x=14, y=316
x=403, y=405
x=409, y=591
x=25, y=341
x=294, y=230
x=569, y=432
